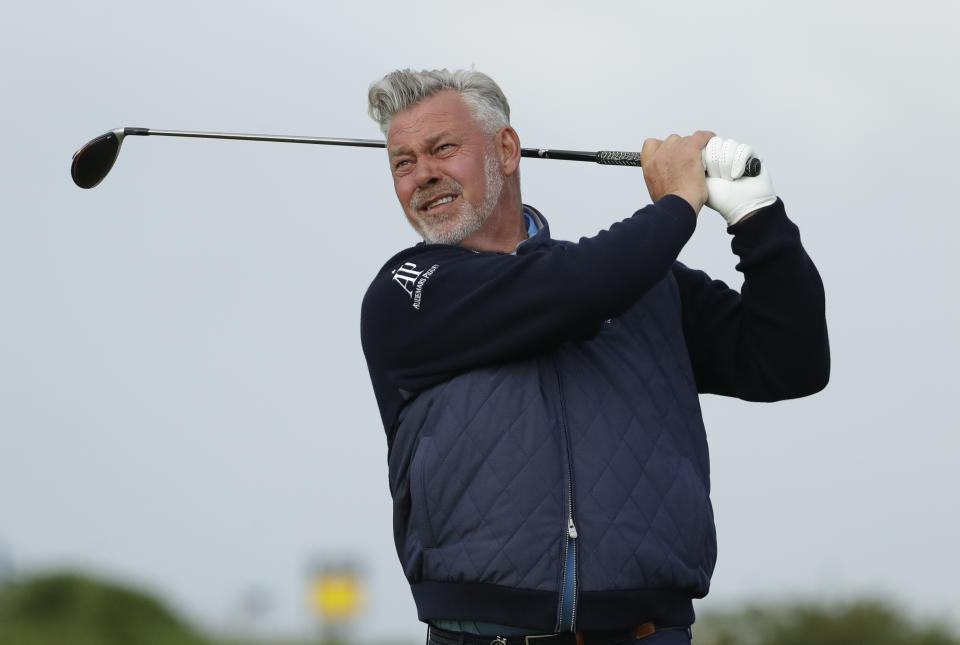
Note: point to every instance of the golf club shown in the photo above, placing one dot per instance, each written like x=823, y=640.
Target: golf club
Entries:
x=93, y=161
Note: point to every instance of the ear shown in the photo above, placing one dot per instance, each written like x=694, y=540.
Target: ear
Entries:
x=508, y=147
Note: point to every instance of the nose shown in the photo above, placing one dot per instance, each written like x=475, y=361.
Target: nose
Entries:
x=427, y=171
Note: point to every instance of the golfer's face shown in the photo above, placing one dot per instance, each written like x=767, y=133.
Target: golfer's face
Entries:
x=436, y=152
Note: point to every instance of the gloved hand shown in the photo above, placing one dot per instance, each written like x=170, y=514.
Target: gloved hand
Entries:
x=728, y=192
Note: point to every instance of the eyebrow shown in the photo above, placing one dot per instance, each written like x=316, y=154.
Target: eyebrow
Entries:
x=430, y=141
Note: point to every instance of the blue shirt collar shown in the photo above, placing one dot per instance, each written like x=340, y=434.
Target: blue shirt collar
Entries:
x=532, y=227
x=535, y=224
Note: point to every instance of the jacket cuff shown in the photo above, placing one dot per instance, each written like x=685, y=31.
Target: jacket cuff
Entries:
x=768, y=221
x=676, y=205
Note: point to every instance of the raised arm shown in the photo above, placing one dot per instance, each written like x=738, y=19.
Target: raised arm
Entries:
x=436, y=310
x=769, y=341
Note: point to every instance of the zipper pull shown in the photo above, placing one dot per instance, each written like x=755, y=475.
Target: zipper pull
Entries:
x=571, y=529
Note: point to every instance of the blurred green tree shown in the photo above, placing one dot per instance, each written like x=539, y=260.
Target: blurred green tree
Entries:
x=860, y=622
x=70, y=609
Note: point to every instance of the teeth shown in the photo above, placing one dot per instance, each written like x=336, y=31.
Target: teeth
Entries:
x=445, y=200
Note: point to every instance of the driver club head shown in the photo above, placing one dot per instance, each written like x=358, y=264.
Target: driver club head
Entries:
x=93, y=161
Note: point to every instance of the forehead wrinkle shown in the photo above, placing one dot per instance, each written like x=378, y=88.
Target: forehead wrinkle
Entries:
x=435, y=113
x=427, y=143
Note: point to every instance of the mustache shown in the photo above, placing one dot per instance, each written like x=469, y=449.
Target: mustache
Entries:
x=422, y=197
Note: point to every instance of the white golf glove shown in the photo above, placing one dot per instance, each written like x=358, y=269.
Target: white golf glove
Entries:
x=728, y=191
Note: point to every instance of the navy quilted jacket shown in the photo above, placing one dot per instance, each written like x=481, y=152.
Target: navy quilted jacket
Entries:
x=551, y=395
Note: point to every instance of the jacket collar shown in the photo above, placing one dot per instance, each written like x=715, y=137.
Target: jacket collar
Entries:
x=542, y=236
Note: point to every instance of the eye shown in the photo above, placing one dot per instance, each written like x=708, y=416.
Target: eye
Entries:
x=402, y=165
x=444, y=147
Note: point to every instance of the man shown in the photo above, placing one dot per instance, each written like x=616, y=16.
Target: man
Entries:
x=547, y=456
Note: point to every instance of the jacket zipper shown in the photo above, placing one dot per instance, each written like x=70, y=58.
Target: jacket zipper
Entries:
x=568, y=581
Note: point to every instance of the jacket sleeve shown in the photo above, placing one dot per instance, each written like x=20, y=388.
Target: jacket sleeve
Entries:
x=437, y=310
x=768, y=342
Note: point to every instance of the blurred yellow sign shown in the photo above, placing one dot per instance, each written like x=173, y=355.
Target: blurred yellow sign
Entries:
x=337, y=595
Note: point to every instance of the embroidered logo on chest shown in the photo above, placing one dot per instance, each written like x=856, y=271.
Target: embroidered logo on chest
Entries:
x=411, y=280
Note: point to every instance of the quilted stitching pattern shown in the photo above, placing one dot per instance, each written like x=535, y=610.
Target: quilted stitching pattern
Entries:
x=643, y=513
x=494, y=478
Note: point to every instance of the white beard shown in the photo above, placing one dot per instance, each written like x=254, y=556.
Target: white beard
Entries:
x=467, y=219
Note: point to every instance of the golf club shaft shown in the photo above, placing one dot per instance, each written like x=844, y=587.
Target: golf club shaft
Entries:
x=606, y=157
x=363, y=143
x=92, y=162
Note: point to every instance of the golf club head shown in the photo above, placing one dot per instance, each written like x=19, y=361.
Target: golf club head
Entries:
x=93, y=161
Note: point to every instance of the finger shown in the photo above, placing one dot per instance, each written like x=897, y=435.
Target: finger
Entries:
x=711, y=157
x=650, y=147
x=727, y=151
x=742, y=153
x=701, y=137
x=673, y=141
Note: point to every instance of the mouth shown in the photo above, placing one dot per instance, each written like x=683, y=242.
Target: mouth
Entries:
x=435, y=204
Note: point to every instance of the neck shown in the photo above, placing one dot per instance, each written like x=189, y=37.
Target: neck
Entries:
x=504, y=229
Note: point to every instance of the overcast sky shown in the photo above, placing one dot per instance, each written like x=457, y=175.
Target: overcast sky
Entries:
x=183, y=397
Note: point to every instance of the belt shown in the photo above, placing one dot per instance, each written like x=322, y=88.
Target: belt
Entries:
x=437, y=636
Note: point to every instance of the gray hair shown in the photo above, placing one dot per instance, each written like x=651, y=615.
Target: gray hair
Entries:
x=404, y=88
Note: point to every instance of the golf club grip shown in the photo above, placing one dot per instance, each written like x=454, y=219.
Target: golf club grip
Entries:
x=615, y=158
